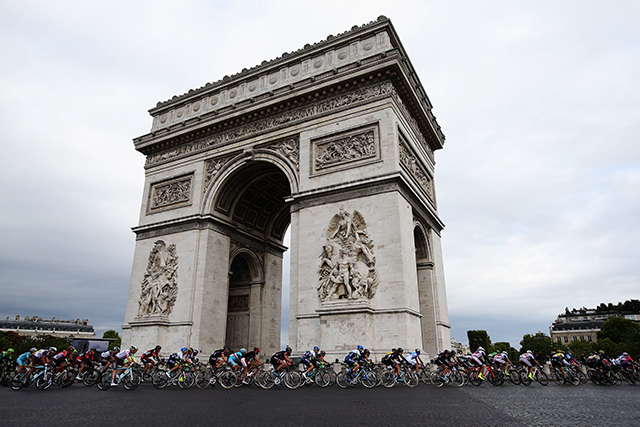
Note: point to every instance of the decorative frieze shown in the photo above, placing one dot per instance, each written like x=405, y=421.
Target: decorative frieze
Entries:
x=409, y=161
x=212, y=167
x=306, y=113
x=347, y=263
x=171, y=193
x=159, y=289
x=238, y=302
x=346, y=148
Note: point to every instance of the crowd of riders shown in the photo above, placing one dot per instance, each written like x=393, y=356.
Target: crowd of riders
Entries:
x=242, y=361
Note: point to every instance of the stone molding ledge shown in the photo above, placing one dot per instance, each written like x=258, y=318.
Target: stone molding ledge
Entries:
x=339, y=308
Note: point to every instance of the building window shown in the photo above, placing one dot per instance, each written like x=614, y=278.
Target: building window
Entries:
x=589, y=338
x=559, y=339
x=566, y=339
x=575, y=338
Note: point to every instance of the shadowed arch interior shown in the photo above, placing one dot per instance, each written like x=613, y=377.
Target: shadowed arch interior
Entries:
x=254, y=198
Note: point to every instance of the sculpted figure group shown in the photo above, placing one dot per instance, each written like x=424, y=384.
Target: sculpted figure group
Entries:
x=347, y=263
x=160, y=284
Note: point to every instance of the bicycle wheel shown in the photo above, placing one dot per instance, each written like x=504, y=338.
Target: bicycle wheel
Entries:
x=65, y=379
x=203, y=379
x=425, y=376
x=437, y=379
x=132, y=380
x=227, y=379
x=368, y=379
x=524, y=378
x=343, y=379
x=410, y=379
x=91, y=378
x=542, y=378
x=457, y=379
x=104, y=383
x=18, y=381
x=388, y=379
x=558, y=378
x=322, y=378
x=267, y=380
x=494, y=378
x=186, y=380
x=514, y=376
x=160, y=380
x=474, y=378
x=44, y=381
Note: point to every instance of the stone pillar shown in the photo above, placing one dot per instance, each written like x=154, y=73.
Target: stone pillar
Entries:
x=425, y=290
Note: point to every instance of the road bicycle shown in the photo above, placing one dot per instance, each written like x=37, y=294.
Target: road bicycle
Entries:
x=223, y=375
x=537, y=374
x=130, y=377
x=453, y=376
x=291, y=379
x=365, y=376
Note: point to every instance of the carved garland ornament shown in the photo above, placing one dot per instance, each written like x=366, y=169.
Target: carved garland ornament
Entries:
x=160, y=284
x=303, y=113
x=347, y=264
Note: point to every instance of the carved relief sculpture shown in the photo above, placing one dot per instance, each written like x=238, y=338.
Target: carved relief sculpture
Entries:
x=290, y=148
x=347, y=263
x=170, y=193
x=409, y=161
x=160, y=284
x=354, y=147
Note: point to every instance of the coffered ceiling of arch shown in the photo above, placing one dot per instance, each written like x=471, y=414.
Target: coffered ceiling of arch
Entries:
x=255, y=198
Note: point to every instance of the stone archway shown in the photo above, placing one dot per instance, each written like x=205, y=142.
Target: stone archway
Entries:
x=335, y=141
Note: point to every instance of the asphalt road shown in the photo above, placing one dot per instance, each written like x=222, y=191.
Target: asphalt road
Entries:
x=584, y=405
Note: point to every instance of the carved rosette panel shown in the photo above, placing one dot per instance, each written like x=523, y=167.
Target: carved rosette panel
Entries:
x=170, y=193
x=347, y=264
x=289, y=148
x=307, y=112
x=412, y=165
x=159, y=289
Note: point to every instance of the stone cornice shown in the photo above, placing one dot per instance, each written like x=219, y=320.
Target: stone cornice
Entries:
x=386, y=54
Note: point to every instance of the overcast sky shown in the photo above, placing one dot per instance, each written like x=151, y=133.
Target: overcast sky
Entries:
x=538, y=183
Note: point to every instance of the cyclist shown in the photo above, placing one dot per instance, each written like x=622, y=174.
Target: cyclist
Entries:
x=501, y=360
x=124, y=358
x=24, y=359
x=178, y=359
x=106, y=358
x=526, y=359
x=248, y=361
x=40, y=358
x=234, y=359
x=6, y=356
x=353, y=359
x=219, y=357
x=62, y=359
x=85, y=361
x=414, y=360
x=479, y=358
x=150, y=359
x=309, y=359
x=281, y=359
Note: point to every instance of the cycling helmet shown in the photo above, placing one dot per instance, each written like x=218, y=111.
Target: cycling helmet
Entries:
x=504, y=353
x=226, y=347
x=10, y=350
x=360, y=348
x=116, y=349
x=480, y=348
x=316, y=349
x=418, y=350
x=625, y=354
x=366, y=352
x=33, y=350
x=288, y=349
x=133, y=348
x=323, y=353
x=184, y=349
x=158, y=347
x=243, y=350
x=53, y=349
x=400, y=350
x=453, y=352
x=92, y=349
x=256, y=350
x=195, y=352
x=529, y=351
x=71, y=349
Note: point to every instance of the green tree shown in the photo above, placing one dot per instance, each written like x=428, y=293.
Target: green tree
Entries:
x=538, y=343
x=113, y=334
x=479, y=339
x=582, y=348
x=619, y=334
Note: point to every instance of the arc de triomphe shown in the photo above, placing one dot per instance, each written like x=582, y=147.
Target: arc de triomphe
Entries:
x=335, y=140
